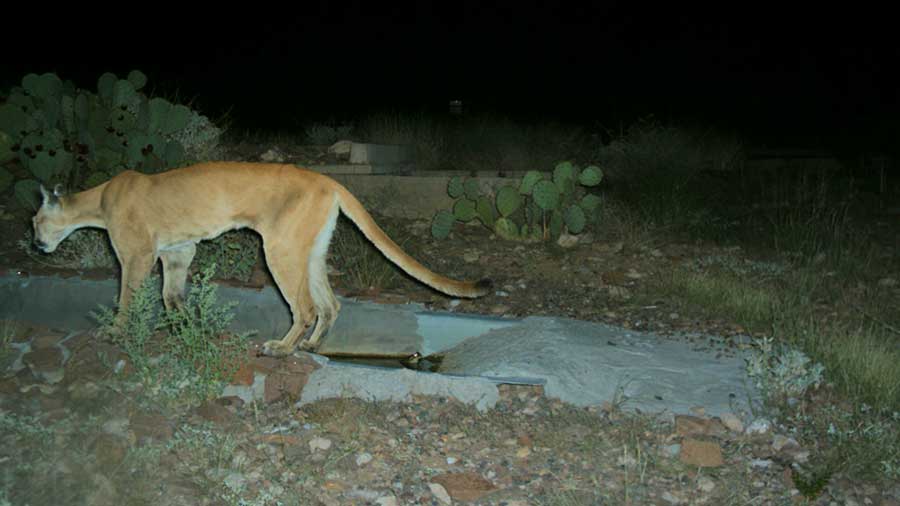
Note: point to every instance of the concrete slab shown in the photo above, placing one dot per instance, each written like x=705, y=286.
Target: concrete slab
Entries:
x=583, y=363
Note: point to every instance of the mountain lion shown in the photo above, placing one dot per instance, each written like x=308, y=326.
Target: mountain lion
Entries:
x=163, y=216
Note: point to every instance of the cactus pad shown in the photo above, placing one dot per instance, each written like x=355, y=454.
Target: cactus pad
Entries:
x=464, y=210
x=508, y=201
x=545, y=194
x=531, y=178
x=506, y=229
x=575, y=220
x=441, y=224
x=590, y=176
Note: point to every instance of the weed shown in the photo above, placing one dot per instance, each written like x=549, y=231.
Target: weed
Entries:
x=361, y=263
x=781, y=372
x=234, y=253
x=195, y=356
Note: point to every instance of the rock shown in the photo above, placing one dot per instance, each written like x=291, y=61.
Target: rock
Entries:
x=686, y=425
x=45, y=341
x=272, y=155
x=471, y=257
x=46, y=364
x=341, y=148
x=672, y=450
x=732, y=422
x=363, y=458
x=110, y=450
x=706, y=484
x=216, y=413
x=150, y=427
x=780, y=442
x=523, y=452
x=290, y=378
x=887, y=282
x=670, y=498
x=440, y=493
x=319, y=443
x=465, y=486
x=567, y=240
x=614, y=278
x=761, y=463
x=695, y=452
x=235, y=481
x=116, y=427
x=387, y=500
x=759, y=426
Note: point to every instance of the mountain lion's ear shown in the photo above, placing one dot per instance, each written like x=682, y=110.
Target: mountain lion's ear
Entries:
x=58, y=190
x=50, y=199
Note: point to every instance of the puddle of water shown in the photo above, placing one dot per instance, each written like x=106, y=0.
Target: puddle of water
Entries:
x=440, y=332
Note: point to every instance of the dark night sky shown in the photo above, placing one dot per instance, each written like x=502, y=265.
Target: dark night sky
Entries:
x=782, y=75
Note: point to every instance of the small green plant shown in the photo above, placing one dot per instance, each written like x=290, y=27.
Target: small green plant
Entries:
x=198, y=337
x=196, y=355
x=781, y=372
x=135, y=327
x=537, y=208
x=233, y=253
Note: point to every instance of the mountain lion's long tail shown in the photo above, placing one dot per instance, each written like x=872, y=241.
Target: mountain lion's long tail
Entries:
x=358, y=214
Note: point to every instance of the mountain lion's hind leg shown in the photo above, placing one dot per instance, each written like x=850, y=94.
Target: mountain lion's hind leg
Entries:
x=175, y=270
x=286, y=258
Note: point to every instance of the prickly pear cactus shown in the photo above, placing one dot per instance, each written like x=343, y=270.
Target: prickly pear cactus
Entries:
x=105, y=87
x=590, y=176
x=506, y=229
x=43, y=154
x=441, y=224
x=472, y=190
x=590, y=204
x=508, y=200
x=6, y=147
x=485, y=210
x=574, y=219
x=137, y=79
x=464, y=210
x=545, y=194
x=6, y=179
x=531, y=178
x=28, y=193
x=556, y=224
x=563, y=173
x=455, y=187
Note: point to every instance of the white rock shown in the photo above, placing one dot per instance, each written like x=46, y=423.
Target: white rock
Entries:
x=116, y=427
x=779, y=442
x=387, y=500
x=440, y=493
x=706, y=484
x=452, y=460
x=272, y=155
x=761, y=463
x=567, y=240
x=732, y=422
x=341, y=147
x=363, y=458
x=759, y=426
x=319, y=443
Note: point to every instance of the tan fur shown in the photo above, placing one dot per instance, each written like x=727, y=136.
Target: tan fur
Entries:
x=163, y=216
